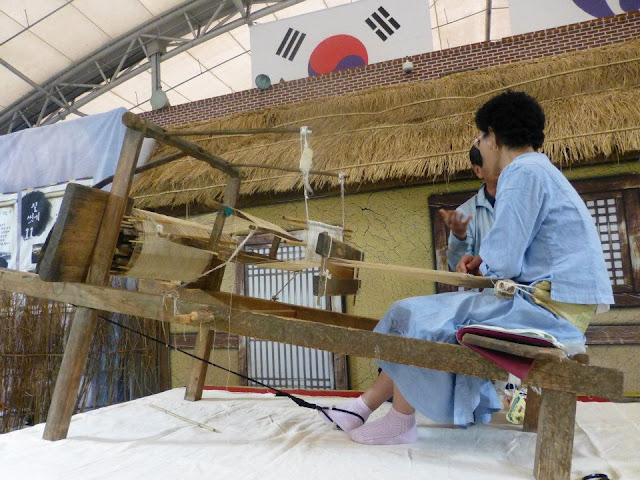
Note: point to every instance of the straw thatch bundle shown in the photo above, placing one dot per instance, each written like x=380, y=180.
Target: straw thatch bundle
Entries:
x=121, y=366
x=420, y=129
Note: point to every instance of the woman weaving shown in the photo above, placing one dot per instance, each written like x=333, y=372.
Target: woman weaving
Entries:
x=543, y=236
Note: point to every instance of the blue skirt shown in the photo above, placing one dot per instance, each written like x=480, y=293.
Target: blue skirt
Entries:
x=447, y=397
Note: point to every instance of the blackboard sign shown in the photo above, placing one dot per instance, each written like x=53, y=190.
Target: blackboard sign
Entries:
x=36, y=211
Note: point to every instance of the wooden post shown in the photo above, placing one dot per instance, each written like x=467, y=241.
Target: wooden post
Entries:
x=204, y=341
x=164, y=353
x=164, y=359
x=556, y=425
x=230, y=199
x=77, y=347
x=532, y=411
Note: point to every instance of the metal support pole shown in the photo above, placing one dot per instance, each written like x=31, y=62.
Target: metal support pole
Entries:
x=487, y=25
x=155, y=49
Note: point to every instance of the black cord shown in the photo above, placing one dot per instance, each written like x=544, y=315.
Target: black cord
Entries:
x=279, y=393
x=595, y=476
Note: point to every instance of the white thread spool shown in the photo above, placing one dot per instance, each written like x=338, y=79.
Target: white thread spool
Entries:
x=505, y=288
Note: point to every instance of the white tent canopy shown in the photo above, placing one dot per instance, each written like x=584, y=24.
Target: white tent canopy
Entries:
x=64, y=58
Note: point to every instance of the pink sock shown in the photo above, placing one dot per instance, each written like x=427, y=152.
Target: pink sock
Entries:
x=347, y=421
x=392, y=429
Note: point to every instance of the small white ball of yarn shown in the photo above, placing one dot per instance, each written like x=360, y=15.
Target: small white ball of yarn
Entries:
x=505, y=288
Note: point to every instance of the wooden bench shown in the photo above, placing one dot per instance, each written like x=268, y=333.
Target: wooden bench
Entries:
x=552, y=413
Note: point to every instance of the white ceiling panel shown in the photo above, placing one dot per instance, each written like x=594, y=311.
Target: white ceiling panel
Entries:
x=301, y=8
x=467, y=30
x=180, y=68
x=72, y=116
x=500, y=24
x=203, y=86
x=137, y=89
x=107, y=101
x=12, y=87
x=71, y=33
x=449, y=11
x=28, y=12
x=139, y=110
x=241, y=35
x=236, y=73
x=175, y=98
x=33, y=57
x=157, y=7
x=8, y=27
x=434, y=31
x=336, y=3
x=217, y=50
x=266, y=19
x=114, y=17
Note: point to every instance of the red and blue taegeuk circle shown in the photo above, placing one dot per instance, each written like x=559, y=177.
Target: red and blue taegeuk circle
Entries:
x=337, y=52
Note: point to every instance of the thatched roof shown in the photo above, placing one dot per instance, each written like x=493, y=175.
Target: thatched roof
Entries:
x=421, y=129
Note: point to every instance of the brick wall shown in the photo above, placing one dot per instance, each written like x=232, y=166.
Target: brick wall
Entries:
x=544, y=43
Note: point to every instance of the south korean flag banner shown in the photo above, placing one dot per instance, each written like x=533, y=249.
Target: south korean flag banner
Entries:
x=348, y=36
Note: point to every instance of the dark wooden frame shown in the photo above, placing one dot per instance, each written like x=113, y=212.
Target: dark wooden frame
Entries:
x=626, y=190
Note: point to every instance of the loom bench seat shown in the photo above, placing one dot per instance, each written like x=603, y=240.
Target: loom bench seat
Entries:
x=551, y=414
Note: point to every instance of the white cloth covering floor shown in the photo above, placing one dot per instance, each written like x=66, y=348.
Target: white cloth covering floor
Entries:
x=264, y=437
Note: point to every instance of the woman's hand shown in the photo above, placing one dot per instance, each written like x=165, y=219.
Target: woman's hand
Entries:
x=456, y=222
x=469, y=264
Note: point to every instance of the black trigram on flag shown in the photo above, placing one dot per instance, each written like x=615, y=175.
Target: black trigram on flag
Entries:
x=383, y=24
x=290, y=44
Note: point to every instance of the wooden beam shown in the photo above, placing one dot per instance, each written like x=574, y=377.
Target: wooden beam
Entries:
x=150, y=304
x=320, y=333
x=302, y=313
x=204, y=342
x=69, y=247
x=198, y=372
x=556, y=426
x=632, y=209
x=151, y=130
x=230, y=199
x=328, y=287
x=147, y=166
x=532, y=411
x=164, y=353
x=578, y=378
x=332, y=248
x=77, y=347
x=273, y=250
x=164, y=362
x=613, y=335
x=188, y=340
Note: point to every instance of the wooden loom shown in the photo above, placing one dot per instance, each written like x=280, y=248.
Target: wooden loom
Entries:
x=95, y=235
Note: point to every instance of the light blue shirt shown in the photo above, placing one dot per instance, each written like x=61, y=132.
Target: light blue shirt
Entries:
x=543, y=231
x=481, y=212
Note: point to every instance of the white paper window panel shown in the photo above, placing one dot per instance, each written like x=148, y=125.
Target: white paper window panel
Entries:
x=278, y=364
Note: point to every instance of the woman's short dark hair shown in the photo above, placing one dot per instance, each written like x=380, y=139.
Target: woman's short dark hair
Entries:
x=516, y=119
x=475, y=156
